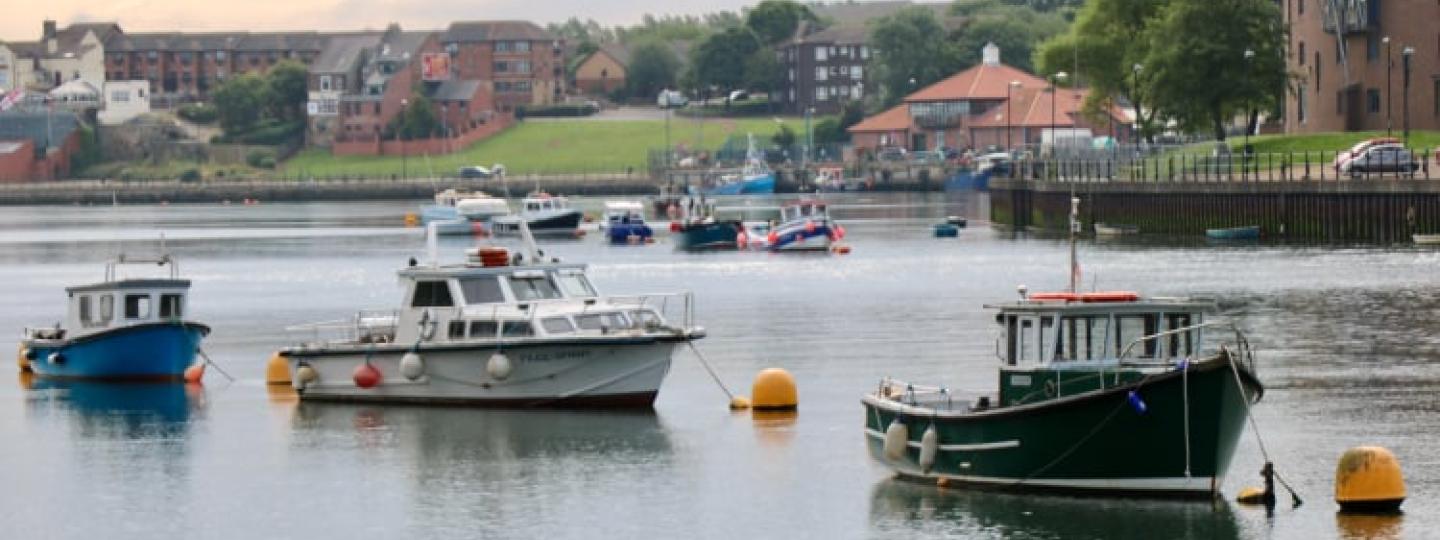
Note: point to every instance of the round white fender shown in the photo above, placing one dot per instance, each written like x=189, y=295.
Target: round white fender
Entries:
x=304, y=376
x=499, y=366
x=929, y=445
x=412, y=365
x=897, y=436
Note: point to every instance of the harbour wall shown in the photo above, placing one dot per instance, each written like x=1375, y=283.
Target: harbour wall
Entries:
x=1333, y=211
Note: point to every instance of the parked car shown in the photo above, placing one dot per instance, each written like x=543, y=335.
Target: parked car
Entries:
x=1384, y=158
x=475, y=171
x=739, y=95
x=671, y=99
x=890, y=153
x=1358, y=149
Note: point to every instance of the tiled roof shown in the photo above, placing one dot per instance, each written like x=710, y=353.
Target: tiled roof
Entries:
x=344, y=53
x=471, y=31
x=980, y=82
x=897, y=118
x=34, y=125
x=619, y=52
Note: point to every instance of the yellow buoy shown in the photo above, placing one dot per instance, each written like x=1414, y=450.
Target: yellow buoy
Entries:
x=20, y=359
x=1251, y=495
x=277, y=370
x=1368, y=480
x=774, y=389
x=739, y=403
x=411, y=219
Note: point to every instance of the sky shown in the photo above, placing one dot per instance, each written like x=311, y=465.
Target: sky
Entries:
x=22, y=18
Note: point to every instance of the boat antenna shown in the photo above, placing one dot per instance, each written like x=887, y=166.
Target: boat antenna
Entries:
x=1074, y=231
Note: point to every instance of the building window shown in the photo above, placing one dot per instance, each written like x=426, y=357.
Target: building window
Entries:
x=820, y=54
x=1372, y=46
x=864, y=52
x=857, y=73
x=821, y=94
x=858, y=92
x=822, y=74
x=1372, y=100
x=1301, y=5
x=1317, y=71
x=791, y=74
x=1436, y=93
x=1302, y=102
x=1437, y=99
x=502, y=46
x=522, y=46
x=1302, y=53
x=325, y=82
x=119, y=96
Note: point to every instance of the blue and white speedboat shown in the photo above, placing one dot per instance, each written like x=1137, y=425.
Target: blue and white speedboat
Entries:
x=122, y=329
x=805, y=226
x=755, y=178
x=624, y=223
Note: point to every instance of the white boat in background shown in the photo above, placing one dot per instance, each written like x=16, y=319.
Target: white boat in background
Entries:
x=460, y=212
x=501, y=329
x=1426, y=239
x=544, y=213
x=1115, y=229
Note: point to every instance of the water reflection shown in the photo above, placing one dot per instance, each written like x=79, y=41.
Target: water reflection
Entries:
x=116, y=410
x=774, y=429
x=898, y=505
x=1370, y=527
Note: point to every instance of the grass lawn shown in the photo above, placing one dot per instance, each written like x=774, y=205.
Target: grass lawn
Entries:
x=1273, y=152
x=547, y=148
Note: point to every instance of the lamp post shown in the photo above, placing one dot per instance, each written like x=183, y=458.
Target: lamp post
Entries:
x=1405, y=55
x=1245, y=150
x=1055, y=89
x=1009, y=144
x=404, y=172
x=1135, y=89
x=1389, y=87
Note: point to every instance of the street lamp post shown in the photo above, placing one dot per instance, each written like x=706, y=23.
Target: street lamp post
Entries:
x=1134, y=99
x=1245, y=150
x=1405, y=55
x=1389, y=87
x=1009, y=143
x=404, y=165
x=1055, y=89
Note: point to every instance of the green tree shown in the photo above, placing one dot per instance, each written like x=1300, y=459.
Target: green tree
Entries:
x=774, y=21
x=653, y=67
x=908, y=49
x=784, y=138
x=288, y=83
x=719, y=61
x=763, y=72
x=240, y=102
x=417, y=120
x=829, y=131
x=1017, y=30
x=1106, y=35
x=1196, y=70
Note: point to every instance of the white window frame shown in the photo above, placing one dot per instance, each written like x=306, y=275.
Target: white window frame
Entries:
x=822, y=74
x=821, y=54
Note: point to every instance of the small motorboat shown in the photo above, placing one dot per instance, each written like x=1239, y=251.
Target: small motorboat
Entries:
x=1426, y=239
x=805, y=226
x=1115, y=229
x=499, y=329
x=624, y=222
x=544, y=214
x=120, y=329
x=461, y=213
x=1251, y=232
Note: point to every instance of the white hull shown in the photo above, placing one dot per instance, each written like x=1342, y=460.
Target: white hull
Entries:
x=601, y=371
x=1426, y=239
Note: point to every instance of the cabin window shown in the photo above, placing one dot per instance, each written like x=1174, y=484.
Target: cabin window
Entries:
x=1025, y=339
x=1012, y=339
x=575, y=285
x=483, y=329
x=1180, y=344
x=602, y=321
x=107, y=309
x=645, y=318
x=1133, y=327
x=517, y=329
x=533, y=288
x=1049, y=348
x=137, y=306
x=482, y=290
x=170, y=306
x=457, y=329
x=557, y=325
x=533, y=207
x=432, y=294
x=1083, y=338
x=84, y=309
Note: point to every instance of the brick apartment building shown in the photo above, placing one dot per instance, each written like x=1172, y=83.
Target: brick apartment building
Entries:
x=1350, y=76
x=521, y=62
x=187, y=66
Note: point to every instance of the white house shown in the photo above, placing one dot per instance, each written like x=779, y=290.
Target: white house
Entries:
x=124, y=100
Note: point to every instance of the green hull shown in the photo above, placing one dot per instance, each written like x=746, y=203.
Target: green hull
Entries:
x=1096, y=441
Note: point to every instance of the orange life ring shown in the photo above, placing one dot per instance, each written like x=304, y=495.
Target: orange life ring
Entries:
x=1110, y=296
x=1054, y=296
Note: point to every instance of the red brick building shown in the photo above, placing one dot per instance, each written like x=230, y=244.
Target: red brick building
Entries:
x=186, y=67
x=523, y=64
x=36, y=145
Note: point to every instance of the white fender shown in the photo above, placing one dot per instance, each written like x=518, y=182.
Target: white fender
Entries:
x=499, y=366
x=305, y=375
x=897, y=436
x=412, y=365
x=929, y=445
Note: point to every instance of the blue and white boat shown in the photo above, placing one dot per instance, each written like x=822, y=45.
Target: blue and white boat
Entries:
x=805, y=226
x=461, y=213
x=624, y=223
x=122, y=329
x=755, y=178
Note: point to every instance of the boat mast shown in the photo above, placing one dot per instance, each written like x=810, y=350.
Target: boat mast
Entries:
x=1074, y=231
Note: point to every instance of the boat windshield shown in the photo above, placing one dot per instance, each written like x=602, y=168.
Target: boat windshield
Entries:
x=575, y=285
x=535, y=287
x=482, y=290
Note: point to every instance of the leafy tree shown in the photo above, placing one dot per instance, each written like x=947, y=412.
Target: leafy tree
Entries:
x=719, y=61
x=1106, y=35
x=417, y=120
x=907, y=48
x=763, y=72
x=653, y=67
x=1017, y=30
x=240, y=102
x=289, y=85
x=1196, y=68
x=829, y=131
x=774, y=21
x=851, y=113
x=576, y=31
x=784, y=138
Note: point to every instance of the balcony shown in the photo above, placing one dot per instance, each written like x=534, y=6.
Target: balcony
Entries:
x=1350, y=16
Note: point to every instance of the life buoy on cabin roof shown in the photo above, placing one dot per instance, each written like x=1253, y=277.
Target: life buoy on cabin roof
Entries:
x=1090, y=297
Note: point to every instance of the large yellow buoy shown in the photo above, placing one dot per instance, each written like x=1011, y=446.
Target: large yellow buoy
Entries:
x=774, y=389
x=277, y=370
x=1368, y=480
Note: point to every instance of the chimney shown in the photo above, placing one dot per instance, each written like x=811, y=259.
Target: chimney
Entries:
x=48, y=30
x=990, y=54
x=51, y=43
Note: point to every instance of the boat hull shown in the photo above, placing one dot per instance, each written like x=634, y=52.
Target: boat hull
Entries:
x=798, y=237
x=1236, y=233
x=159, y=351
x=623, y=233
x=704, y=236
x=557, y=223
x=620, y=372
x=1094, y=442
x=757, y=185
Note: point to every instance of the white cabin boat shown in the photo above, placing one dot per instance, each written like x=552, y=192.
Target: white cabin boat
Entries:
x=545, y=214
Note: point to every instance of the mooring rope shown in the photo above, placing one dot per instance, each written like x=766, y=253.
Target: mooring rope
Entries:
x=1255, y=427
x=710, y=370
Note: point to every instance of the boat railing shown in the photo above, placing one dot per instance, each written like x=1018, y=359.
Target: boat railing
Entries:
x=916, y=395
x=1247, y=356
x=163, y=260
x=672, y=307
x=366, y=326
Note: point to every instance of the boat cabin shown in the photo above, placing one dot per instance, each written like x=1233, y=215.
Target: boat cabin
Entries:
x=804, y=209
x=543, y=203
x=495, y=299
x=624, y=212
x=118, y=303
x=1052, y=344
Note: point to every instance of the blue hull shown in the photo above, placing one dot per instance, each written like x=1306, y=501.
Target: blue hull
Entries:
x=621, y=233
x=1237, y=233
x=787, y=235
x=435, y=212
x=968, y=180
x=149, y=351
x=760, y=185
x=706, y=236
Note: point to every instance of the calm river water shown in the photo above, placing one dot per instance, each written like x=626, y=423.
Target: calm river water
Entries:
x=1346, y=339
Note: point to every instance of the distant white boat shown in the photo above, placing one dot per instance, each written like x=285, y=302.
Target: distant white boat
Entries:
x=1115, y=229
x=1426, y=239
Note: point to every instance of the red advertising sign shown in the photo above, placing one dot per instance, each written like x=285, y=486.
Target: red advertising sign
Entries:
x=435, y=66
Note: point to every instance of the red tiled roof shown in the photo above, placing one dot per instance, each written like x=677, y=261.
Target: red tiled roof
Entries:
x=979, y=82
x=897, y=118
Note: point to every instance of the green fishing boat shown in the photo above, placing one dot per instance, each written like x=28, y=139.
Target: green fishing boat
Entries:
x=1105, y=393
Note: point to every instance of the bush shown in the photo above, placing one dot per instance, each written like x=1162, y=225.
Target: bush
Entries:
x=269, y=134
x=199, y=113
x=261, y=159
x=190, y=175
x=558, y=111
